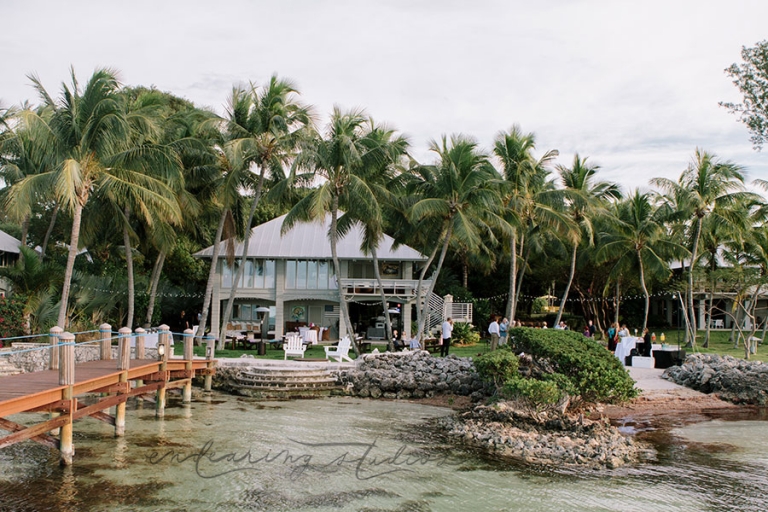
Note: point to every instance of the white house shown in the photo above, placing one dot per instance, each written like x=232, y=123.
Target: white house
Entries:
x=9, y=253
x=293, y=276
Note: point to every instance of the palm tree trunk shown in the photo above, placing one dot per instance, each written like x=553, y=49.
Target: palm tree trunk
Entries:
x=156, y=270
x=74, y=238
x=567, y=286
x=50, y=230
x=708, y=318
x=129, y=268
x=337, y=268
x=241, y=269
x=211, y=277
x=388, y=319
x=419, y=297
x=526, y=251
x=25, y=229
x=464, y=273
x=694, y=251
x=616, y=301
x=645, y=291
x=512, y=275
x=432, y=283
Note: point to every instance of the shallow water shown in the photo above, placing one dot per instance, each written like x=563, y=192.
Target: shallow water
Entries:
x=228, y=453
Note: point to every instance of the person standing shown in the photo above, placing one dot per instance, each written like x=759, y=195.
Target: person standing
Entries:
x=503, y=328
x=592, y=329
x=494, y=331
x=446, y=336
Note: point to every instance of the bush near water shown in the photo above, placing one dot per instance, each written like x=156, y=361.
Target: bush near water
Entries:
x=572, y=365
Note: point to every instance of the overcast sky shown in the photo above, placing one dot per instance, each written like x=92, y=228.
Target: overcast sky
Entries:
x=632, y=85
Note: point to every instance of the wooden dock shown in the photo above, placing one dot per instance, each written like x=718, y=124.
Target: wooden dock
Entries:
x=58, y=392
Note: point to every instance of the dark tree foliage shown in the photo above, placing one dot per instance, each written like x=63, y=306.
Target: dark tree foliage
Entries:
x=751, y=77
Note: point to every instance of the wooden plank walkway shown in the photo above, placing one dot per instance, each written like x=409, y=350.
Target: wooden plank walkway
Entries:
x=41, y=392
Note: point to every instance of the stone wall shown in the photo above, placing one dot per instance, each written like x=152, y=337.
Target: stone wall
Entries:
x=412, y=375
x=735, y=380
x=37, y=360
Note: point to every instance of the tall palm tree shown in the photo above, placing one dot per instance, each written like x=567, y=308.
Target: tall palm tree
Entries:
x=458, y=194
x=525, y=196
x=584, y=199
x=90, y=136
x=639, y=240
x=266, y=124
x=336, y=158
x=707, y=187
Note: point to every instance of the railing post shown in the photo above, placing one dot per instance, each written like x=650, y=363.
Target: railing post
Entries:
x=67, y=378
x=54, y=334
x=139, y=353
x=188, y=356
x=210, y=344
x=163, y=350
x=105, y=347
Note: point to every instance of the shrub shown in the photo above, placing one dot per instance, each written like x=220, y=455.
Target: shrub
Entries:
x=535, y=394
x=464, y=334
x=497, y=367
x=539, y=305
x=594, y=373
x=11, y=317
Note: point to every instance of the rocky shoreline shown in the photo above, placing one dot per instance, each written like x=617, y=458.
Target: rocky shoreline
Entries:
x=734, y=380
x=504, y=430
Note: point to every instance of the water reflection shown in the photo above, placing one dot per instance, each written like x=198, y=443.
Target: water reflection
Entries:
x=260, y=463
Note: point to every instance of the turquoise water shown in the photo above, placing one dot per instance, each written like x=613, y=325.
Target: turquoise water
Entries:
x=227, y=453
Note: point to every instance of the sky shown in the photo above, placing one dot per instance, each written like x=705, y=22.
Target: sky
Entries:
x=632, y=85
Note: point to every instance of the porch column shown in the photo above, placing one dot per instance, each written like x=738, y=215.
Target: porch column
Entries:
x=406, y=312
x=216, y=305
x=279, y=317
x=702, y=314
x=669, y=304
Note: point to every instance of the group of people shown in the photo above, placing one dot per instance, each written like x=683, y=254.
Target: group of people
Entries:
x=498, y=331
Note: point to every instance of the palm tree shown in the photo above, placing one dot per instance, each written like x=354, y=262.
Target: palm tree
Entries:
x=458, y=195
x=707, y=187
x=336, y=158
x=90, y=136
x=525, y=196
x=266, y=124
x=584, y=199
x=639, y=240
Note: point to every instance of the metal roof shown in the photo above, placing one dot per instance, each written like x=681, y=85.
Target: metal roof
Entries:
x=9, y=243
x=309, y=240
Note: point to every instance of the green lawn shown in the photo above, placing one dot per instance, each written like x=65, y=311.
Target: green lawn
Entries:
x=718, y=344
x=317, y=351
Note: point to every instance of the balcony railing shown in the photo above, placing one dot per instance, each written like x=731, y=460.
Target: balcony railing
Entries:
x=399, y=287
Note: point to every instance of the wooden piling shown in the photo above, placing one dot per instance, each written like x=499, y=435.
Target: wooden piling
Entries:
x=123, y=364
x=188, y=356
x=163, y=345
x=105, y=348
x=54, y=334
x=67, y=378
x=139, y=354
x=209, y=350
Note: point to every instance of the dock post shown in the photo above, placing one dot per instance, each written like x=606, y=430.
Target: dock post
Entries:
x=67, y=378
x=53, y=362
x=54, y=334
x=188, y=356
x=123, y=364
x=139, y=353
x=163, y=349
x=210, y=343
x=105, y=347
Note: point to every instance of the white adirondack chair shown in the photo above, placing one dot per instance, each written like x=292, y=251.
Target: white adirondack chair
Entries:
x=293, y=346
x=340, y=352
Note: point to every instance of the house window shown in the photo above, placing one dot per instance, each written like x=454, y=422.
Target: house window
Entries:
x=257, y=274
x=309, y=275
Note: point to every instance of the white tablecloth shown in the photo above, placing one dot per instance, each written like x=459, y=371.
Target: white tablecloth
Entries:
x=309, y=336
x=625, y=346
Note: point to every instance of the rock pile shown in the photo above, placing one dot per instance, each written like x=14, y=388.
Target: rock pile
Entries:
x=37, y=360
x=735, y=380
x=412, y=375
x=506, y=431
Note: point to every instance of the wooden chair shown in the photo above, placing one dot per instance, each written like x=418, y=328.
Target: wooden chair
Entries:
x=293, y=346
x=341, y=351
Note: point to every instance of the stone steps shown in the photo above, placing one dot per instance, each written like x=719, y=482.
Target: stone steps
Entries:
x=286, y=383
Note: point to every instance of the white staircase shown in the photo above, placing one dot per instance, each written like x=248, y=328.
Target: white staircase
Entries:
x=435, y=305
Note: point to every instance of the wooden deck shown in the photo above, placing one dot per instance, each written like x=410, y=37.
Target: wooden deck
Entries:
x=41, y=392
